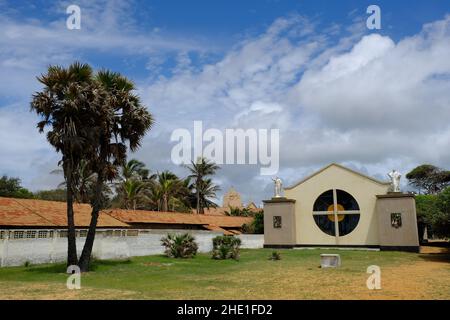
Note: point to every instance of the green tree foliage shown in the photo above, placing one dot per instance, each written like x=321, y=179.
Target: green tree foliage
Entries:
x=120, y=122
x=10, y=187
x=67, y=105
x=428, y=178
x=133, y=186
x=426, y=207
x=168, y=191
x=434, y=211
x=203, y=186
x=93, y=117
x=180, y=245
x=239, y=212
x=440, y=222
x=52, y=195
x=257, y=225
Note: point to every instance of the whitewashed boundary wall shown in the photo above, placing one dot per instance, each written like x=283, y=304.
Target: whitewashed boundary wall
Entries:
x=18, y=247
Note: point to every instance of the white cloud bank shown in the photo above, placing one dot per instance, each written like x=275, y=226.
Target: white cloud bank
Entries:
x=363, y=100
x=337, y=96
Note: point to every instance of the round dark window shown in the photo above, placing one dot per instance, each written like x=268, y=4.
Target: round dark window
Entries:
x=336, y=206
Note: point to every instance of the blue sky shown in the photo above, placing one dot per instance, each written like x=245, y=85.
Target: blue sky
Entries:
x=338, y=91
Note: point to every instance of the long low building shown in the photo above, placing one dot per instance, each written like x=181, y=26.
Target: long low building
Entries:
x=40, y=214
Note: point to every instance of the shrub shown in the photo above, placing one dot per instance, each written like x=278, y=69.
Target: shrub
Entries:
x=275, y=256
x=226, y=247
x=180, y=245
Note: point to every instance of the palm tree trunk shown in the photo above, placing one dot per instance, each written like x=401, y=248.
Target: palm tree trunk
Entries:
x=165, y=204
x=72, y=258
x=198, y=198
x=85, y=258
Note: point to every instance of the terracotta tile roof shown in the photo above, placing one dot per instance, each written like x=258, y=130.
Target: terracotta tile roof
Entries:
x=141, y=216
x=14, y=214
x=216, y=228
x=40, y=213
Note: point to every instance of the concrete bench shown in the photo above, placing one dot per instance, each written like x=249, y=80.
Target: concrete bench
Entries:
x=330, y=260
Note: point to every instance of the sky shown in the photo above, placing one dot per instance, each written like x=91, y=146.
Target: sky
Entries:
x=373, y=100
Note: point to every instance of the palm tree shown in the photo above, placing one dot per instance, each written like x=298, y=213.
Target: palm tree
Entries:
x=63, y=106
x=206, y=191
x=135, y=168
x=199, y=171
x=120, y=119
x=167, y=187
x=133, y=192
x=85, y=180
x=133, y=185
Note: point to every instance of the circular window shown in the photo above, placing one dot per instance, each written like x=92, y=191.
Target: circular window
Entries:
x=336, y=209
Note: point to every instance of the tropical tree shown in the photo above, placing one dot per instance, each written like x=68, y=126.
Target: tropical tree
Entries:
x=441, y=222
x=120, y=120
x=83, y=183
x=52, y=195
x=426, y=208
x=203, y=187
x=238, y=212
x=429, y=178
x=167, y=187
x=132, y=193
x=205, y=191
x=133, y=186
x=11, y=187
x=135, y=169
x=65, y=104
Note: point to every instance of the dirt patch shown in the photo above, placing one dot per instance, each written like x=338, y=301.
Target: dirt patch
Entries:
x=432, y=250
x=41, y=291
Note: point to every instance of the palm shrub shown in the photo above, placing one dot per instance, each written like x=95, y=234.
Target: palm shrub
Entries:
x=226, y=247
x=180, y=245
x=275, y=256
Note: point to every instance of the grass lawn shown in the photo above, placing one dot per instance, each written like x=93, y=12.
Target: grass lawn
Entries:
x=296, y=276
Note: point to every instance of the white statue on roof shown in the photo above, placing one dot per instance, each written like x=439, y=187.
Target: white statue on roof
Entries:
x=395, y=180
x=278, y=184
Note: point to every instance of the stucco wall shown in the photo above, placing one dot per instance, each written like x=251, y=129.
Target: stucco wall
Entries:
x=15, y=252
x=286, y=234
x=362, y=189
x=407, y=234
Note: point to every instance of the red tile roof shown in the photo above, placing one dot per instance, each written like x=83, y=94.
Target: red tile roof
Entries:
x=40, y=213
x=141, y=216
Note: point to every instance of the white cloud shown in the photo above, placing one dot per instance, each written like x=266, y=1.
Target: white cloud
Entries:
x=365, y=100
x=337, y=96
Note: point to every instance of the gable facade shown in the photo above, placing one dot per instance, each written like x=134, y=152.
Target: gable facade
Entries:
x=335, y=177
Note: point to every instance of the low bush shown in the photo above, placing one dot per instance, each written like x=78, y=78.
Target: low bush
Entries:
x=275, y=256
x=226, y=247
x=180, y=245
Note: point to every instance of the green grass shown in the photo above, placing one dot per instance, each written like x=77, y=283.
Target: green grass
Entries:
x=254, y=276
